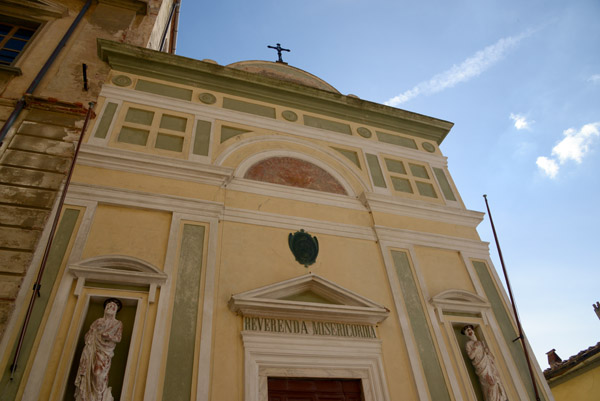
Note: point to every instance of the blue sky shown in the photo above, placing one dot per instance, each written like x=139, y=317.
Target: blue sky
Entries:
x=521, y=82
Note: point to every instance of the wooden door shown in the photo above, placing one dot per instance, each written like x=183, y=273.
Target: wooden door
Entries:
x=287, y=389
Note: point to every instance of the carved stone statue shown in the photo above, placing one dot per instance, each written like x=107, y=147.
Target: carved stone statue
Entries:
x=485, y=367
x=91, y=382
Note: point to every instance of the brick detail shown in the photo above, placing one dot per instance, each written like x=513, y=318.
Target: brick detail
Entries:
x=295, y=173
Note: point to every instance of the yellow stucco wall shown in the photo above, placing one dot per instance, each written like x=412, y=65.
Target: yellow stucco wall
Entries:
x=250, y=248
x=442, y=270
x=353, y=264
x=129, y=231
x=582, y=385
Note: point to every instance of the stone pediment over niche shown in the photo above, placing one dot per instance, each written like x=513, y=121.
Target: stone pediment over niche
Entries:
x=459, y=301
x=118, y=269
x=308, y=297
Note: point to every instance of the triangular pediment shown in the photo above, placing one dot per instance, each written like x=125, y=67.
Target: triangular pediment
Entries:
x=308, y=297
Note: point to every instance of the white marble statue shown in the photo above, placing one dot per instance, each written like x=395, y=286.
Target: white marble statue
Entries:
x=485, y=367
x=91, y=383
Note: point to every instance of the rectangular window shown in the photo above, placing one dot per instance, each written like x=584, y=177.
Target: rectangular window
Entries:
x=165, y=132
x=15, y=34
x=411, y=179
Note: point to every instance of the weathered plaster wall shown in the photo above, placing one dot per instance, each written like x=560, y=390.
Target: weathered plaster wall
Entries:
x=37, y=152
x=582, y=384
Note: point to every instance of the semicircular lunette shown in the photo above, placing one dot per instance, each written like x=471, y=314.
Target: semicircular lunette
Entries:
x=294, y=172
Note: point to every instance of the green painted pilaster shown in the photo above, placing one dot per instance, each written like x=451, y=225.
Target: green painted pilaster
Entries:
x=444, y=184
x=8, y=388
x=202, y=140
x=376, y=173
x=107, y=117
x=418, y=321
x=180, y=358
x=505, y=322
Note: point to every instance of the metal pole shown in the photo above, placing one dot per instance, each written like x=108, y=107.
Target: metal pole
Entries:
x=37, y=285
x=513, y=304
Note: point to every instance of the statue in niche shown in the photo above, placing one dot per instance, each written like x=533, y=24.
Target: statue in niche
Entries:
x=485, y=367
x=91, y=382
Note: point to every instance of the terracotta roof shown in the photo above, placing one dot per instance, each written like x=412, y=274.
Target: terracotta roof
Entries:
x=573, y=361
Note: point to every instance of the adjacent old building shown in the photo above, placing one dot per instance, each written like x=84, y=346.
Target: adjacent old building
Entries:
x=267, y=236
x=49, y=72
x=578, y=377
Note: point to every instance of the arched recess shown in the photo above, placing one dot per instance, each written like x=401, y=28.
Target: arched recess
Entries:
x=456, y=308
x=118, y=269
x=131, y=280
x=243, y=155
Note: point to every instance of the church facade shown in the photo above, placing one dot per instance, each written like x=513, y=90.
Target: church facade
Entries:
x=266, y=238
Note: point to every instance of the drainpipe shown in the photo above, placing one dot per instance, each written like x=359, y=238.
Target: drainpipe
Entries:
x=21, y=103
x=174, y=26
x=169, y=24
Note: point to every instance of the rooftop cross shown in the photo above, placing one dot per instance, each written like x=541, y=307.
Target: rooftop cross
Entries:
x=279, y=50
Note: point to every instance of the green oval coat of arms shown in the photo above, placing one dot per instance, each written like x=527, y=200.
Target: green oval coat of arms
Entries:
x=304, y=246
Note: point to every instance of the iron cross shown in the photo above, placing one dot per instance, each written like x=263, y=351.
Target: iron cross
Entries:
x=279, y=50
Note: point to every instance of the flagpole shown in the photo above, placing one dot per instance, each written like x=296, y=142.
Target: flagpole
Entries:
x=513, y=304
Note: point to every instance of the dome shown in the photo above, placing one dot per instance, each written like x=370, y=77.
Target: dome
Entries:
x=283, y=72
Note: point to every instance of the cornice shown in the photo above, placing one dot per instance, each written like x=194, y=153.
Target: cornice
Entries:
x=298, y=194
x=400, y=237
x=166, y=167
x=182, y=70
x=139, y=6
x=40, y=8
x=211, y=113
x=418, y=209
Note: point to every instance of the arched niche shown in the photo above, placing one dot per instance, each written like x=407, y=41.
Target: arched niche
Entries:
x=118, y=269
x=244, y=154
x=294, y=172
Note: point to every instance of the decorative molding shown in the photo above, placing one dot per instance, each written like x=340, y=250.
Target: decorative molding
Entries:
x=419, y=209
x=113, y=93
x=207, y=98
x=364, y=132
x=126, y=197
x=289, y=115
x=245, y=165
x=122, y=80
x=36, y=8
x=273, y=355
x=139, y=6
x=269, y=301
x=118, y=269
x=460, y=301
x=397, y=237
x=298, y=194
x=293, y=223
x=154, y=165
x=428, y=147
x=126, y=58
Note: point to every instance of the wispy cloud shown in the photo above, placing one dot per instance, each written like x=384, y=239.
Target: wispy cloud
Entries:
x=574, y=146
x=520, y=121
x=595, y=79
x=470, y=68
